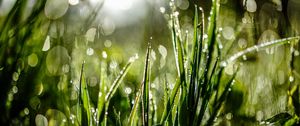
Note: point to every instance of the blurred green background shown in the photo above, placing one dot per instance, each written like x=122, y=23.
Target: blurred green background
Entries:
x=44, y=42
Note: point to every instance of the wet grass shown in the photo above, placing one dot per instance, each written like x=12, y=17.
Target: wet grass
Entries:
x=201, y=87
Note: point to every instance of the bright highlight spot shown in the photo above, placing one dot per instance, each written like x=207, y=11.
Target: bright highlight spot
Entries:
x=46, y=45
x=73, y=2
x=251, y=5
x=90, y=51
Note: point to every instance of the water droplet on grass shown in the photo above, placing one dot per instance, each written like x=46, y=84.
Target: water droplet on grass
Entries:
x=291, y=78
x=32, y=60
x=162, y=9
x=90, y=51
x=223, y=64
x=296, y=53
x=107, y=43
x=133, y=58
x=128, y=90
x=104, y=54
x=176, y=13
x=244, y=57
x=113, y=65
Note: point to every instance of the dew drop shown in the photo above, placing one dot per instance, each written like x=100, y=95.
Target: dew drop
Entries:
x=205, y=36
x=90, y=51
x=162, y=9
x=244, y=57
x=104, y=54
x=128, y=90
x=176, y=13
x=223, y=63
x=296, y=53
x=113, y=65
x=291, y=78
x=133, y=58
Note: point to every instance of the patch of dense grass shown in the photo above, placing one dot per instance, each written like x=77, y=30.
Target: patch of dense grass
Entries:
x=54, y=87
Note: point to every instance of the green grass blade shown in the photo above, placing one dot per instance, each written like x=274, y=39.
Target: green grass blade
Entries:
x=207, y=96
x=170, y=102
x=222, y=98
x=84, y=99
x=146, y=88
x=119, y=79
x=135, y=106
x=259, y=47
x=101, y=95
x=116, y=84
x=212, y=23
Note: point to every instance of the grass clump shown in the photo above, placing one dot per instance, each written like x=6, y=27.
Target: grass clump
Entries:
x=196, y=98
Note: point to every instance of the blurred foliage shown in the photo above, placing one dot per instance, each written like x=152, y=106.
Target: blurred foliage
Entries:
x=82, y=62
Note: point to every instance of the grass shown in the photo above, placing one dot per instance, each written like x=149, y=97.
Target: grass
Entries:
x=197, y=98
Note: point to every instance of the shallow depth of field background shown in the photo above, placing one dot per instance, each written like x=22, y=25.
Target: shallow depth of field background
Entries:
x=40, y=74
